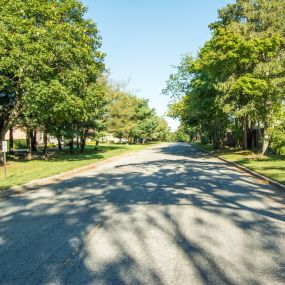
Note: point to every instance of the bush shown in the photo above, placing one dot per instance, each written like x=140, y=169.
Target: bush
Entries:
x=278, y=141
x=52, y=145
x=204, y=140
x=181, y=136
x=20, y=144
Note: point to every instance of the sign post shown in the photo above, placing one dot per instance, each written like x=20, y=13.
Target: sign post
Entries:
x=4, y=150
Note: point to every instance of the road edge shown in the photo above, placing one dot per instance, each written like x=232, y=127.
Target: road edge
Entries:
x=35, y=184
x=270, y=181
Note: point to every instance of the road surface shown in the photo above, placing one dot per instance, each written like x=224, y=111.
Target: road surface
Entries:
x=167, y=215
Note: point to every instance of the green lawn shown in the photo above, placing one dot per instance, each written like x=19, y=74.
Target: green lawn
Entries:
x=272, y=166
x=21, y=171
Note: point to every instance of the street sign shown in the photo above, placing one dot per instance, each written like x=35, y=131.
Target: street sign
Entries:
x=4, y=146
x=4, y=150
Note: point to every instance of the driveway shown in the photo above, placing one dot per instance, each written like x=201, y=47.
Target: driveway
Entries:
x=167, y=215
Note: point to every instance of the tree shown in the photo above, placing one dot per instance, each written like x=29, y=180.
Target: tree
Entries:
x=121, y=108
x=132, y=118
x=161, y=132
x=237, y=80
x=145, y=121
x=49, y=60
x=199, y=107
x=252, y=86
x=95, y=110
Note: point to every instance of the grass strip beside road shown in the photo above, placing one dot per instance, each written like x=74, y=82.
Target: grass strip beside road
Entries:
x=21, y=171
x=272, y=166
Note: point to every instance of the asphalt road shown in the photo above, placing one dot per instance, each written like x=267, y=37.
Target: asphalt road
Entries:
x=168, y=215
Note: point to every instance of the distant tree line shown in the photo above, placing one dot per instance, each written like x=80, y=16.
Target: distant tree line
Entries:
x=131, y=117
x=236, y=83
x=52, y=76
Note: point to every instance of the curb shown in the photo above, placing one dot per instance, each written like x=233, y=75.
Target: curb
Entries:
x=270, y=181
x=36, y=184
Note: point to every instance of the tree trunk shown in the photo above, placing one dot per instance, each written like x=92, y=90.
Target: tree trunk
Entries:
x=45, y=145
x=245, y=129
x=236, y=140
x=82, y=143
x=265, y=139
x=29, y=144
x=6, y=124
x=33, y=140
x=77, y=141
x=59, y=143
x=250, y=135
x=216, y=142
x=11, y=141
x=83, y=140
x=71, y=146
x=3, y=133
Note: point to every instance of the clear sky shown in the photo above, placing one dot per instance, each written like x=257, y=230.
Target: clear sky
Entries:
x=143, y=39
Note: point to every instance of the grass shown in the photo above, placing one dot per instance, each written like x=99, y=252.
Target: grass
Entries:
x=21, y=171
x=272, y=166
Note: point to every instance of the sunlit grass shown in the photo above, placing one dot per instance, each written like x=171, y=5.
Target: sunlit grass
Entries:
x=272, y=166
x=21, y=171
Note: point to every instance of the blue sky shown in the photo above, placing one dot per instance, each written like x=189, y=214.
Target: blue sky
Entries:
x=143, y=39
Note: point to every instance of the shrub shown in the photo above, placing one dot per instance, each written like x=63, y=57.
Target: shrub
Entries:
x=278, y=140
x=20, y=144
x=52, y=145
x=204, y=140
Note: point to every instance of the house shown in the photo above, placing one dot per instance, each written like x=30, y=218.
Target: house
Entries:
x=20, y=133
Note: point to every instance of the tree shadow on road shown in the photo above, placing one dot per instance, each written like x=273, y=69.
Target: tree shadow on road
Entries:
x=221, y=226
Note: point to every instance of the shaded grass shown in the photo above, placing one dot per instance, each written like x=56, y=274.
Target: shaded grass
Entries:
x=272, y=166
x=21, y=170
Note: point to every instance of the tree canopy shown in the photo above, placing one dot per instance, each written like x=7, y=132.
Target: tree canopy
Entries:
x=236, y=82
x=50, y=63
x=52, y=76
x=132, y=118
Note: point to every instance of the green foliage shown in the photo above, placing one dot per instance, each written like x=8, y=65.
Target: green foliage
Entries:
x=121, y=107
x=19, y=144
x=131, y=117
x=237, y=80
x=161, y=131
x=181, y=134
x=50, y=66
x=278, y=139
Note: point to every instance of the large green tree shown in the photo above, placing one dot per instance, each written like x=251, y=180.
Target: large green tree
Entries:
x=121, y=107
x=237, y=80
x=131, y=117
x=246, y=56
x=49, y=61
